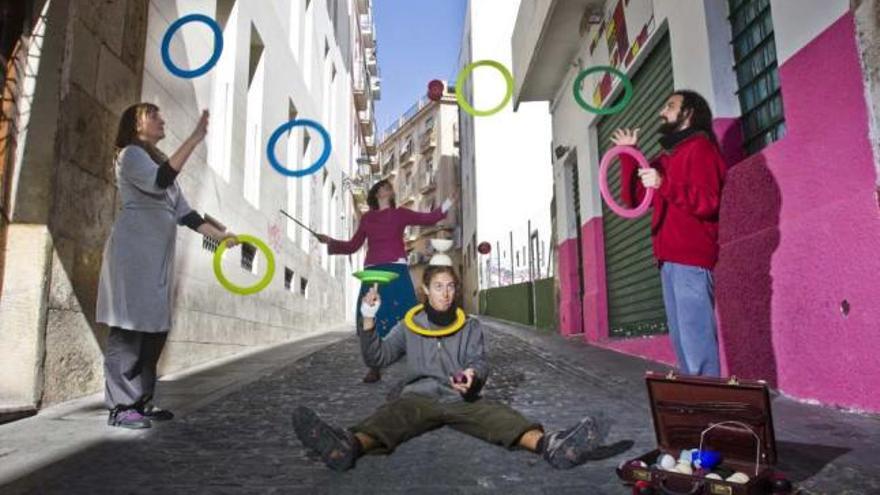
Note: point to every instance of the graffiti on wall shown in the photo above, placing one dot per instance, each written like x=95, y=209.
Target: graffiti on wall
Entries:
x=617, y=41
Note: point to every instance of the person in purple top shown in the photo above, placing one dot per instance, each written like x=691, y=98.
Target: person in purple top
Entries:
x=382, y=228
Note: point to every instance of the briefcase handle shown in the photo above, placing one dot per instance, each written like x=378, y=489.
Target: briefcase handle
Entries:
x=746, y=428
x=697, y=488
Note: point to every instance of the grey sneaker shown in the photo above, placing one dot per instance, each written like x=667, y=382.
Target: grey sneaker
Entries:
x=335, y=446
x=566, y=449
x=128, y=418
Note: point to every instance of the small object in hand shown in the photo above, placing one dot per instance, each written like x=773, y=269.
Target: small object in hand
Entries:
x=738, y=478
x=707, y=459
x=376, y=276
x=667, y=462
x=459, y=377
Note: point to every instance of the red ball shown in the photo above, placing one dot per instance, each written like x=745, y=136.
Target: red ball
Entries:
x=435, y=90
x=484, y=248
x=642, y=487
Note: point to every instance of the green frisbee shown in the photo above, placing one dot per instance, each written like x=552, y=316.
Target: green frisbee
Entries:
x=376, y=276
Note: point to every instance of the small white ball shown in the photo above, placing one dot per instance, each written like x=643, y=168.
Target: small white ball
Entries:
x=738, y=478
x=686, y=455
x=684, y=468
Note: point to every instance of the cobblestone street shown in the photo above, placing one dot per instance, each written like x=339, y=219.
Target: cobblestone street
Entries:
x=242, y=442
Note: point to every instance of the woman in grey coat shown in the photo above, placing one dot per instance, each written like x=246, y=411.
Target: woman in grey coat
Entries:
x=137, y=273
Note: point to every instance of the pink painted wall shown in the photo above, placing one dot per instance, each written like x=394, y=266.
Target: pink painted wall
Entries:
x=570, y=321
x=595, y=300
x=800, y=232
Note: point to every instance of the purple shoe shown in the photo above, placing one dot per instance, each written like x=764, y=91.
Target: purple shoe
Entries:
x=129, y=418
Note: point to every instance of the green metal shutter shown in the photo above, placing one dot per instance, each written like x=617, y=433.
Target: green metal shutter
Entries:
x=635, y=297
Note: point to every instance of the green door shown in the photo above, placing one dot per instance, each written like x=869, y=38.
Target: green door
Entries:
x=635, y=297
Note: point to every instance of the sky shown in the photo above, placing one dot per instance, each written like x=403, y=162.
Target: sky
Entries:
x=418, y=41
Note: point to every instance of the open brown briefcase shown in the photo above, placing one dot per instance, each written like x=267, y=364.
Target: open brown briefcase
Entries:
x=728, y=415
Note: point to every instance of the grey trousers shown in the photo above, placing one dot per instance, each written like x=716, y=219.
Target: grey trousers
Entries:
x=130, y=367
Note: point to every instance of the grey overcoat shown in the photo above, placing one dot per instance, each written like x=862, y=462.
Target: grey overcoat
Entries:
x=137, y=272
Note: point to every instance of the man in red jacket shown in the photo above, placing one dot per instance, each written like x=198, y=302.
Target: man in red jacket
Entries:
x=687, y=177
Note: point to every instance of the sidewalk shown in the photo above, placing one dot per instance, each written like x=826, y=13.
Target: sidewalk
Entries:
x=233, y=435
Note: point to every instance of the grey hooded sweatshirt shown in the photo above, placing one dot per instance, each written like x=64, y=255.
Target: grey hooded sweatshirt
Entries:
x=431, y=360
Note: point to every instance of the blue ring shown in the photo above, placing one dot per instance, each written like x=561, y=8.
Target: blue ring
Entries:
x=166, y=45
x=273, y=140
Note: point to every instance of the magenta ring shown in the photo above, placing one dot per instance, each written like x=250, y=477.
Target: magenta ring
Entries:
x=610, y=155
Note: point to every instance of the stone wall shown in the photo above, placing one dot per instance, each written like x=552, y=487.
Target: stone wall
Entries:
x=101, y=75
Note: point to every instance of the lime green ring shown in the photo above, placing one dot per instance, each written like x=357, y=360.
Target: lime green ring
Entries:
x=459, y=84
x=627, y=90
x=235, y=289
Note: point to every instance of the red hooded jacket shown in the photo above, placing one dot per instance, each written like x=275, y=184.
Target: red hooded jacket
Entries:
x=684, y=225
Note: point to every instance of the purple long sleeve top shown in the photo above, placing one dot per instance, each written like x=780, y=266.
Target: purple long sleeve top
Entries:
x=383, y=231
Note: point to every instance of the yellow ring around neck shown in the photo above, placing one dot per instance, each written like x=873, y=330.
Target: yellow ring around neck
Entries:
x=460, y=318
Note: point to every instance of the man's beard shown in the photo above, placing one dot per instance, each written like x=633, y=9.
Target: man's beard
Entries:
x=667, y=128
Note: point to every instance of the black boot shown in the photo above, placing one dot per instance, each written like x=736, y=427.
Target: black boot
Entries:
x=338, y=448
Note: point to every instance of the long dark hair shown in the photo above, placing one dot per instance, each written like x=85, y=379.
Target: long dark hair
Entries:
x=700, y=113
x=373, y=195
x=127, y=134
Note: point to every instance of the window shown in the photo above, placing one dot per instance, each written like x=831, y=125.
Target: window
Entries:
x=209, y=243
x=254, y=145
x=248, y=253
x=304, y=287
x=288, y=278
x=757, y=73
x=223, y=94
x=292, y=185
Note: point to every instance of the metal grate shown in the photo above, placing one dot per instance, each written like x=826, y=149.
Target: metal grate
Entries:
x=288, y=278
x=635, y=297
x=757, y=73
x=248, y=253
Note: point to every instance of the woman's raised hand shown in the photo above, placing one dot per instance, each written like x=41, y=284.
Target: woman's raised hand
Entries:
x=201, y=129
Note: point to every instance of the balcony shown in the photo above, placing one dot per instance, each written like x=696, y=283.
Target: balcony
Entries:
x=371, y=62
x=429, y=184
x=406, y=154
x=428, y=141
x=388, y=164
x=368, y=31
x=366, y=122
x=544, y=42
x=374, y=165
x=376, y=87
x=370, y=144
x=359, y=89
